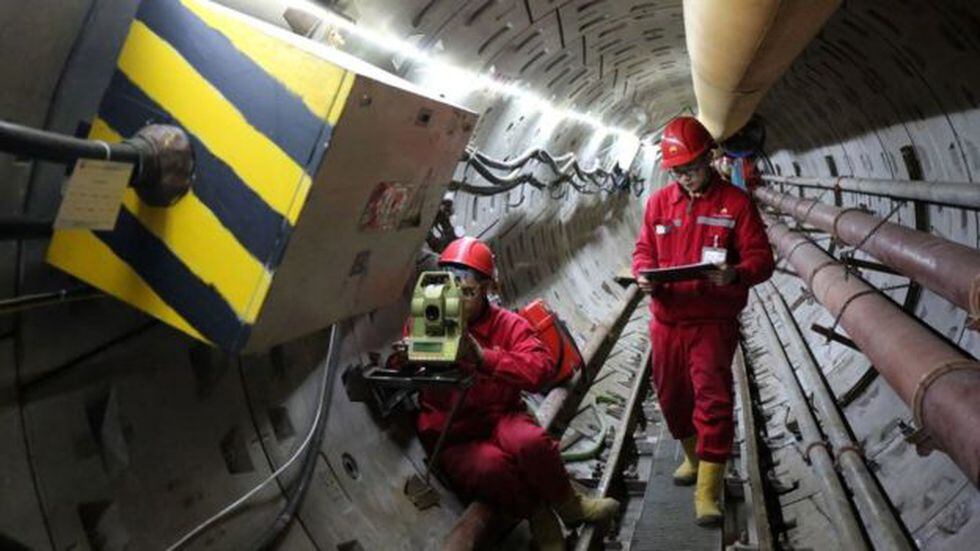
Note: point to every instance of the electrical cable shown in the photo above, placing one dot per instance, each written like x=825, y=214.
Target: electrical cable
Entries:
x=565, y=168
x=197, y=530
x=288, y=512
x=38, y=300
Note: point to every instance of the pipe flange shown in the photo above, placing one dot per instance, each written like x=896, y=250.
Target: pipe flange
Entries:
x=166, y=168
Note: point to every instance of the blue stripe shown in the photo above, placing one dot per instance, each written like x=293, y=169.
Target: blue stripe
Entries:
x=196, y=301
x=260, y=229
x=266, y=103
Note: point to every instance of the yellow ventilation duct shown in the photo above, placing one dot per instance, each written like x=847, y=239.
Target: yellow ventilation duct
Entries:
x=739, y=48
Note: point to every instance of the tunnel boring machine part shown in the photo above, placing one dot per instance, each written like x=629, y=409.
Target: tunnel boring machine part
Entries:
x=162, y=156
x=937, y=381
x=950, y=269
x=884, y=528
x=816, y=452
x=954, y=194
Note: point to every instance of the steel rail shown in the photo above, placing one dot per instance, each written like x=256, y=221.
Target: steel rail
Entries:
x=760, y=533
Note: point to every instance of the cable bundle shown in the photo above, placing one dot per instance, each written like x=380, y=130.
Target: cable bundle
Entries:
x=564, y=168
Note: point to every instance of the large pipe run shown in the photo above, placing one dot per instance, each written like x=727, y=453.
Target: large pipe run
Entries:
x=884, y=528
x=938, y=382
x=739, y=48
x=953, y=194
x=844, y=521
x=947, y=268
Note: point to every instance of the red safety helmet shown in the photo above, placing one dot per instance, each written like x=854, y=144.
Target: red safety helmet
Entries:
x=470, y=252
x=684, y=140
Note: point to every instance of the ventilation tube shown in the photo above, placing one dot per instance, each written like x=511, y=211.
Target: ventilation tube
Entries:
x=739, y=48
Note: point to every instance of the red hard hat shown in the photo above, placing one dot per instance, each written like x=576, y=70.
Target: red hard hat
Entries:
x=684, y=140
x=469, y=252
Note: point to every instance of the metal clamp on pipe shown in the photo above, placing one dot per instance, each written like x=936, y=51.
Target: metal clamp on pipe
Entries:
x=162, y=155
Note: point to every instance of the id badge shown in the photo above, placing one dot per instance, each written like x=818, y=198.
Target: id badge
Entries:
x=714, y=255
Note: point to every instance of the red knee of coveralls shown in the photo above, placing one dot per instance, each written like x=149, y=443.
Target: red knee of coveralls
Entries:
x=536, y=455
x=671, y=377
x=710, y=355
x=481, y=470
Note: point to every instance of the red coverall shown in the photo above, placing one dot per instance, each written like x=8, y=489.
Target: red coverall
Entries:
x=494, y=450
x=694, y=329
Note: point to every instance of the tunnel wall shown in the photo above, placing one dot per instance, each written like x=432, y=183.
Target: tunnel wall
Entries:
x=885, y=82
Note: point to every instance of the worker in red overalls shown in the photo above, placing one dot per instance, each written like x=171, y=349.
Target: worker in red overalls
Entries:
x=698, y=217
x=495, y=451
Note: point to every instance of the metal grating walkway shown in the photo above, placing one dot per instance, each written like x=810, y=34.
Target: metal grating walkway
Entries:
x=667, y=519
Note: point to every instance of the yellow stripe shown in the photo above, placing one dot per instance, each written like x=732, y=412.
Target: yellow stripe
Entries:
x=340, y=100
x=196, y=236
x=83, y=255
x=314, y=79
x=166, y=77
x=336, y=110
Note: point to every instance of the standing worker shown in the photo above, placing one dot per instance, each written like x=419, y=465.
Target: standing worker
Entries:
x=494, y=450
x=699, y=217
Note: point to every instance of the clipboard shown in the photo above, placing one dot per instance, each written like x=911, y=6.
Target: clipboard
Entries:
x=684, y=272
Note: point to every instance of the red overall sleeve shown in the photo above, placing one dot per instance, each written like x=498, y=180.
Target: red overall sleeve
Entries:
x=756, y=262
x=645, y=251
x=520, y=358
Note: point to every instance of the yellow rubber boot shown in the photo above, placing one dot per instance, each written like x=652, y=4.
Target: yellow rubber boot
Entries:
x=546, y=530
x=687, y=473
x=707, y=493
x=578, y=508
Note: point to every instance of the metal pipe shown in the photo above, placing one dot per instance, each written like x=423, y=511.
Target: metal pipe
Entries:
x=885, y=529
x=950, y=269
x=29, y=302
x=623, y=433
x=479, y=520
x=937, y=381
x=22, y=227
x=844, y=520
x=162, y=156
x=24, y=141
x=760, y=528
x=953, y=194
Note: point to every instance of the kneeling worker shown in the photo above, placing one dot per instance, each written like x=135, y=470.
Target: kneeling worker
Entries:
x=699, y=217
x=494, y=450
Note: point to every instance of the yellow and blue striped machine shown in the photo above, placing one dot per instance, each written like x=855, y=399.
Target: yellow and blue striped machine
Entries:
x=317, y=177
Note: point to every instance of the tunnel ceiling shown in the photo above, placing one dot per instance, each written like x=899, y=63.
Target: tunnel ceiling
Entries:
x=625, y=61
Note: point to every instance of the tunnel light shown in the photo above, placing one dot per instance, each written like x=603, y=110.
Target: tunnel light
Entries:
x=459, y=80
